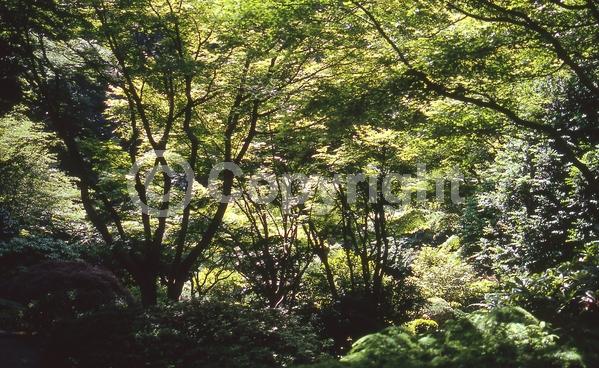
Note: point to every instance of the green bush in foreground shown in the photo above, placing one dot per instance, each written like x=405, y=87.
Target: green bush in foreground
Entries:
x=504, y=337
x=220, y=335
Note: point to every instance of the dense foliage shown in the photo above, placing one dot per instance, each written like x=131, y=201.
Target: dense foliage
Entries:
x=423, y=168
x=213, y=334
x=505, y=337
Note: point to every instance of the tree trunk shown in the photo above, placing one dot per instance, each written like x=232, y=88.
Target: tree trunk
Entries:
x=149, y=291
x=174, y=289
x=182, y=270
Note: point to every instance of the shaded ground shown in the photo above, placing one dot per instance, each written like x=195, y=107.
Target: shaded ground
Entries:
x=18, y=351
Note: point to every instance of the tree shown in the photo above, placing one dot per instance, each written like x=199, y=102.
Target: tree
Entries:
x=36, y=198
x=197, y=79
x=479, y=62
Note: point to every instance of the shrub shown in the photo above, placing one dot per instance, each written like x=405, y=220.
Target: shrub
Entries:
x=19, y=253
x=11, y=315
x=84, y=318
x=351, y=317
x=569, y=292
x=101, y=338
x=420, y=325
x=438, y=310
x=504, y=337
x=9, y=228
x=441, y=273
x=218, y=334
x=80, y=313
x=567, y=295
x=57, y=290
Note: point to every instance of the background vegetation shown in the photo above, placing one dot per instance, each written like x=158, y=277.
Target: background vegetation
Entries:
x=504, y=92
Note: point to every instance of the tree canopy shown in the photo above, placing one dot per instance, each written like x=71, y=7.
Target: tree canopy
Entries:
x=339, y=167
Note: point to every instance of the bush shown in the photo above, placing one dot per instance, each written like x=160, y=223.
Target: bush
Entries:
x=99, y=339
x=568, y=292
x=84, y=318
x=567, y=295
x=438, y=310
x=441, y=273
x=21, y=252
x=504, y=337
x=53, y=291
x=80, y=313
x=351, y=317
x=420, y=325
x=218, y=334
